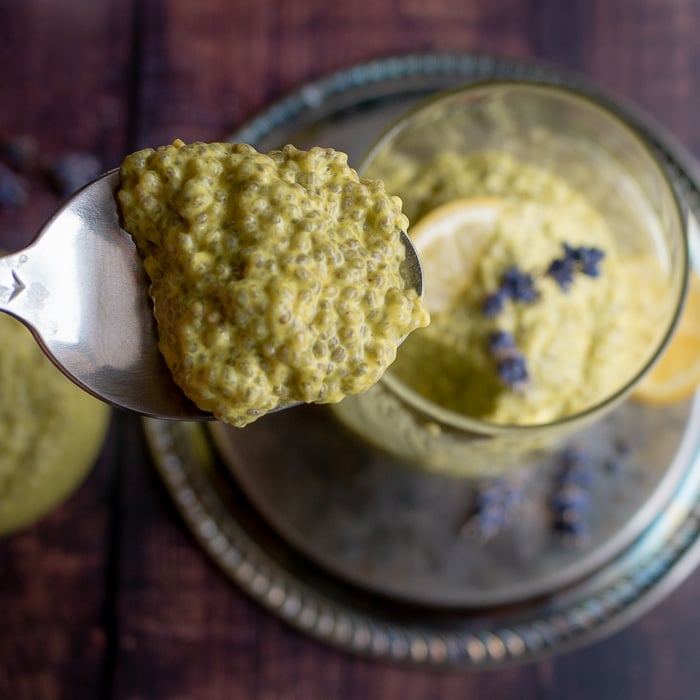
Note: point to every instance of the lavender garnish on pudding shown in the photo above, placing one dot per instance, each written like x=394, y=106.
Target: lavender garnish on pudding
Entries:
x=519, y=287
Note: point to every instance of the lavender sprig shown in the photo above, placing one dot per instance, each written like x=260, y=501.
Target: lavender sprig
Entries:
x=571, y=500
x=519, y=286
x=498, y=502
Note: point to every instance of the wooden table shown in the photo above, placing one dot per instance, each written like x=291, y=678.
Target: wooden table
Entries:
x=109, y=597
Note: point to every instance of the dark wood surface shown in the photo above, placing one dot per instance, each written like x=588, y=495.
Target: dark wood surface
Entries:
x=109, y=597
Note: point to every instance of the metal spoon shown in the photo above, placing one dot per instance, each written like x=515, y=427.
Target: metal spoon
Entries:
x=82, y=291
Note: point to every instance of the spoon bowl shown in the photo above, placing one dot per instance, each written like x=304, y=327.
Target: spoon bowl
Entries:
x=82, y=291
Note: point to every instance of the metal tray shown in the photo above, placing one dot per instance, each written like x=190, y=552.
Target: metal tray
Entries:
x=372, y=557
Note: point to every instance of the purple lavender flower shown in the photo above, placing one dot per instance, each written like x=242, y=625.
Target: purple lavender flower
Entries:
x=590, y=259
x=571, y=497
x=519, y=285
x=493, y=305
x=497, y=503
x=583, y=259
x=512, y=370
x=562, y=271
x=571, y=501
x=516, y=285
x=501, y=343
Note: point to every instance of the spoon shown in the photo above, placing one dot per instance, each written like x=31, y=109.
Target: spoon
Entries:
x=82, y=291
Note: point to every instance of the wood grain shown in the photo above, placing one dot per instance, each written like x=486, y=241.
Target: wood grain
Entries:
x=109, y=597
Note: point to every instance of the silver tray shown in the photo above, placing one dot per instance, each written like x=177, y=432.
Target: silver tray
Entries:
x=374, y=558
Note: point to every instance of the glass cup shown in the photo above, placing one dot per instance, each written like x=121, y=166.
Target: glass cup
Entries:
x=597, y=154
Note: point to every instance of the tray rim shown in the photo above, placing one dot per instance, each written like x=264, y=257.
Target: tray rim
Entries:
x=581, y=621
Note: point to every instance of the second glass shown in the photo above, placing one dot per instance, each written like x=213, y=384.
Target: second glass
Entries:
x=596, y=154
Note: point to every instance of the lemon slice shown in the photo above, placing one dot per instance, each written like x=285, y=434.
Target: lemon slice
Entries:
x=449, y=241
x=677, y=374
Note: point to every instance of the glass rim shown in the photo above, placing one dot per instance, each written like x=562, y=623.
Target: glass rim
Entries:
x=464, y=423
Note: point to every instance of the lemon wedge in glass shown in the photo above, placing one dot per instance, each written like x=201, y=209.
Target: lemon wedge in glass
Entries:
x=449, y=241
x=676, y=375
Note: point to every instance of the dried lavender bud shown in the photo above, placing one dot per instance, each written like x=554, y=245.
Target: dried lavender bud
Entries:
x=493, y=305
x=511, y=365
x=571, y=500
x=583, y=259
x=518, y=285
x=13, y=192
x=497, y=502
x=488, y=522
x=512, y=370
x=69, y=173
x=572, y=525
x=501, y=343
x=570, y=253
x=576, y=468
x=515, y=285
x=562, y=271
x=490, y=492
x=571, y=497
x=590, y=259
